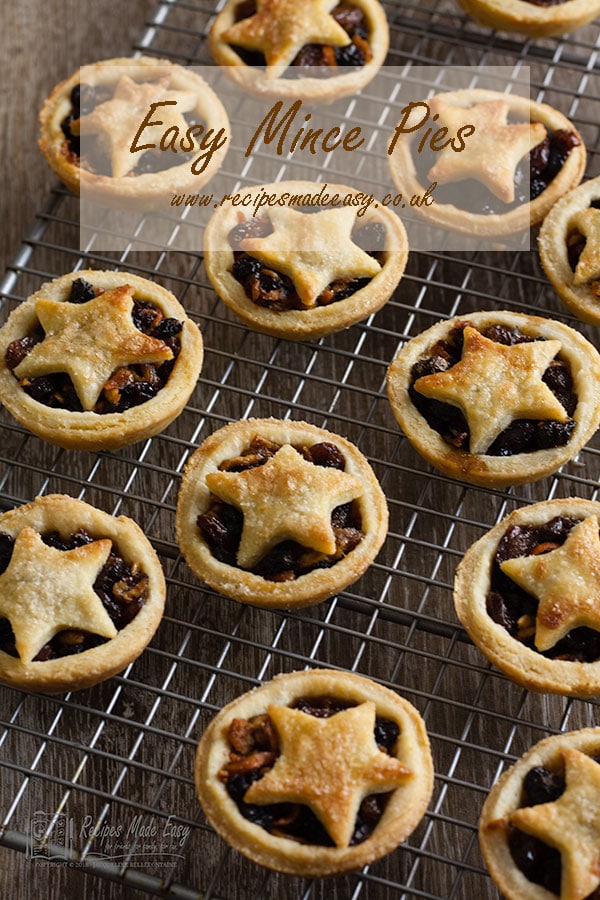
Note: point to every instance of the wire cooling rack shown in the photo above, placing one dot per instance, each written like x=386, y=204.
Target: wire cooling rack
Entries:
x=102, y=778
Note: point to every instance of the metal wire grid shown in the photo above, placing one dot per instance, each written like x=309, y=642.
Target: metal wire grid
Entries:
x=125, y=748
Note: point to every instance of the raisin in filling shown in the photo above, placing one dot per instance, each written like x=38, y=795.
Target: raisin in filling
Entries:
x=540, y=863
x=522, y=435
x=128, y=386
x=320, y=58
x=84, y=98
x=539, y=168
x=254, y=750
x=221, y=525
x=513, y=608
x=272, y=290
x=122, y=588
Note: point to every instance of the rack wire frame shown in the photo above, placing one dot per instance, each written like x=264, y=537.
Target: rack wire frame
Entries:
x=122, y=752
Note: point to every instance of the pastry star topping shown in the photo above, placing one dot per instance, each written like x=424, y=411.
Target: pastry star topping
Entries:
x=587, y=223
x=280, y=28
x=117, y=120
x=494, y=150
x=330, y=765
x=571, y=824
x=331, y=251
x=494, y=384
x=89, y=341
x=566, y=581
x=45, y=590
x=287, y=498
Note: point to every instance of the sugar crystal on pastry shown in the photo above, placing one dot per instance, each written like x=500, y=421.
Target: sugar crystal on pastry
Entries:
x=280, y=28
x=494, y=384
x=45, y=590
x=313, y=249
x=571, y=824
x=566, y=582
x=587, y=223
x=286, y=498
x=90, y=341
x=329, y=765
x=117, y=120
x=492, y=152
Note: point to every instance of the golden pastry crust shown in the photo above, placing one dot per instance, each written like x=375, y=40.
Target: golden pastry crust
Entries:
x=58, y=512
x=523, y=664
x=267, y=81
x=316, y=585
x=553, y=247
x=484, y=469
x=517, y=219
x=130, y=191
x=506, y=797
x=89, y=430
x=313, y=321
x=403, y=811
x=527, y=18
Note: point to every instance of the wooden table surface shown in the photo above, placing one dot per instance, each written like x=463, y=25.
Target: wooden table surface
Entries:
x=42, y=42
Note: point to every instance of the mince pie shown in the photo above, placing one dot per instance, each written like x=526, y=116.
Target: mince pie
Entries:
x=97, y=360
x=316, y=49
x=304, y=272
x=497, y=398
x=518, y=161
x=315, y=772
x=107, y=109
x=569, y=245
x=537, y=18
x=279, y=513
x=539, y=829
x=81, y=594
x=528, y=593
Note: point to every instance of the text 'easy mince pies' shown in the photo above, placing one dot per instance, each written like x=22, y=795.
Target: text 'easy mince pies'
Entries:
x=81, y=594
x=569, y=245
x=497, y=398
x=302, y=273
x=315, y=772
x=89, y=127
x=528, y=593
x=479, y=187
x=537, y=18
x=316, y=49
x=540, y=826
x=97, y=360
x=279, y=513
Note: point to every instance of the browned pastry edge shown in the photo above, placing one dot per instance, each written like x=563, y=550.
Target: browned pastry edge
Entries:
x=58, y=512
x=89, y=430
x=496, y=471
x=244, y=586
x=402, y=814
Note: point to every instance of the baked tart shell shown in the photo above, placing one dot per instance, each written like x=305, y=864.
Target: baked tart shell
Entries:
x=552, y=245
x=90, y=430
x=404, y=809
x=245, y=586
x=505, y=797
x=257, y=81
x=140, y=192
x=520, y=663
x=58, y=512
x=315, y=322
x=520, y=218
x=497, y=471
x=527, y=18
